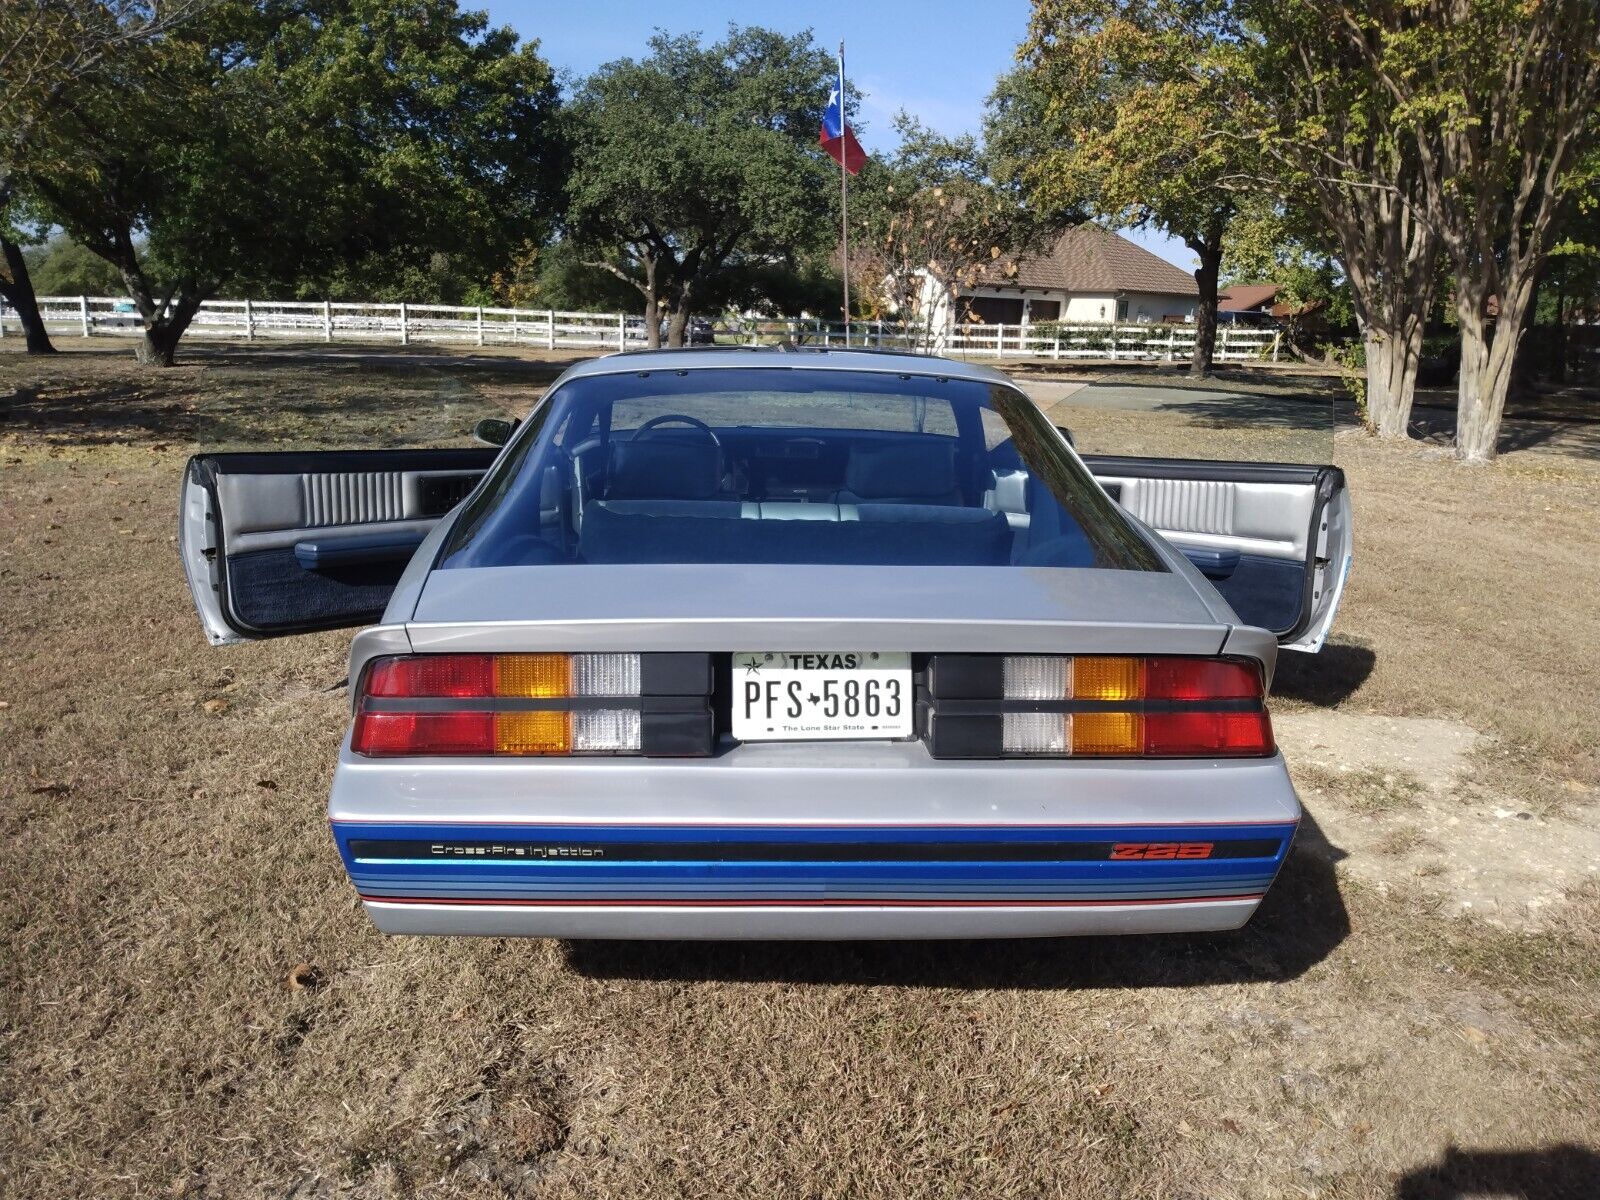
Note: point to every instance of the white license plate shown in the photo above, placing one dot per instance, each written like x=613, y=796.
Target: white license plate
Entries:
x=795, y=696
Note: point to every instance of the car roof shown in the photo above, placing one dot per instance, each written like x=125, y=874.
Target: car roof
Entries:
x=789, y=357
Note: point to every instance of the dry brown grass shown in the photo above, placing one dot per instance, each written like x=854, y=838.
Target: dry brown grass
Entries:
x=167, y=867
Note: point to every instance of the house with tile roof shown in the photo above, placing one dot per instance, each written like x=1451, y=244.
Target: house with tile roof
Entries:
x=1088, y=275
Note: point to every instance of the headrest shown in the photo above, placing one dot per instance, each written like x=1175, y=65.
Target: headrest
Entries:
x=904, y=470
x=657, y=469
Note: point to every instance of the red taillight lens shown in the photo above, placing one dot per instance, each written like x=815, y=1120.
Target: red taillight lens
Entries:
x=382, y=734
x=1187, y=734
x=1200, y=679
x=454, y=675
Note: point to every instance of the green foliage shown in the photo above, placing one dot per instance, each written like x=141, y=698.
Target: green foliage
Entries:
x=1351, y=359
x=276, y=145
x=63, y=267
x=1121, y=111
x=1267, y=243
x=697, y=158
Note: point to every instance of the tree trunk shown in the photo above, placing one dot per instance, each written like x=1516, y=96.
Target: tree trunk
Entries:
x=19, y=295
x=652, y=322
x=1205, y=312
x=677, y=322
x=159, y=345
x=1558, y=339
x=1393, y=357
x=1488, y=351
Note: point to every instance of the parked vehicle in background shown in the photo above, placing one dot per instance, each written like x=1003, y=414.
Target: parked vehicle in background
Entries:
x=789, y=644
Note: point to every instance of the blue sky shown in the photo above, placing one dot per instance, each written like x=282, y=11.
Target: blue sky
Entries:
x=938, y=59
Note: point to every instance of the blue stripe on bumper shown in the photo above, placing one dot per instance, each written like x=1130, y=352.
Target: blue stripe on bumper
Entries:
x=810, y=879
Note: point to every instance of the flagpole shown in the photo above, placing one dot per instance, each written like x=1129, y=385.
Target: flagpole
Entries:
x=844, y=201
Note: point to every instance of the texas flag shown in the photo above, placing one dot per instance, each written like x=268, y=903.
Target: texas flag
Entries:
x=836, y=137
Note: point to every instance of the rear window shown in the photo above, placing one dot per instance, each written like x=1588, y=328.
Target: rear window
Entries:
x=786, y=465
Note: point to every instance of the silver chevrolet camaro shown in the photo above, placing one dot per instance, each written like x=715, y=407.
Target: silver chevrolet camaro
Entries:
x=789, y=644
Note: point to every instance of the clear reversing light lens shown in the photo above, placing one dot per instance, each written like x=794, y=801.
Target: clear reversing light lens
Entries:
x=1034, y=733
x=605, y=729
x=605, y=674
x=1037, y=677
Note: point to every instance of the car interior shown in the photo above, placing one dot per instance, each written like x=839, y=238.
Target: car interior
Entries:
x=674, y=489
x=318, y=539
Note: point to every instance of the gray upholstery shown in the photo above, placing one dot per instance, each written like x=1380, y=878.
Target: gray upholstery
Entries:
x=902, y=473
x=1268, y=519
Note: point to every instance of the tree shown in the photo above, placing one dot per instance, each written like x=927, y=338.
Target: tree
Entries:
x=61, y=267
x=47, y=49
x=1500, y=98
x=270, y=143
x=695, y=159
x=1331, y=145
x=1134, y=94
x=927, y=222
x=1268, y=242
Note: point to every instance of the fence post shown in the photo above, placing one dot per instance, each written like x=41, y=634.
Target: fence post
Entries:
x=1172, y=343
x=327, y=321
x=480, y=324
x=1113, y=340
x=2, y=318
x=1277, y=337
x=405, y=339
x=249, y=321
x=550, y=330
x=83, y=314
x=622, y=331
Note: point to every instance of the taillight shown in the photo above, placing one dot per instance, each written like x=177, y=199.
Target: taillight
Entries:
x=983, y=706
x=535, y=704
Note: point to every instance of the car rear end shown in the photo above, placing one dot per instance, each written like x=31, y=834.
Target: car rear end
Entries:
x=803, y=647
x=1061, y=765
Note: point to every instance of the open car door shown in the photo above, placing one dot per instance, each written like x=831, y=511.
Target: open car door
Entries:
x=1273, y=538
x=285, y=543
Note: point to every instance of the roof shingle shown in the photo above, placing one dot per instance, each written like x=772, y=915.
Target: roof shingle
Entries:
x=1087, y=258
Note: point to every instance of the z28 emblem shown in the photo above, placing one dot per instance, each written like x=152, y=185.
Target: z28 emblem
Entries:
x=1142, y=850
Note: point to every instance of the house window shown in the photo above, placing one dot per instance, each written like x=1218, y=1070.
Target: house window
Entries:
x=1122, y=310
x=994, y=310
x=1044, y=310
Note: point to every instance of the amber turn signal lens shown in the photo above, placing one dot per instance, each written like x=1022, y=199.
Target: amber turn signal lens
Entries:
x=533, y=733
x=536, y=676
x=1107, y=733
x=1107, y=678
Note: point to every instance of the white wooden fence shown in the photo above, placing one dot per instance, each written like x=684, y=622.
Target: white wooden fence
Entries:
x=404, y=324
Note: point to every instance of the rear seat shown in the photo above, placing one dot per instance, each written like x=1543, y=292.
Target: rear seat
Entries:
x=713, y=531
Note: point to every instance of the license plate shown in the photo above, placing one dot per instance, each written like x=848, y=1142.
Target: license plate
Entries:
x=795, y=696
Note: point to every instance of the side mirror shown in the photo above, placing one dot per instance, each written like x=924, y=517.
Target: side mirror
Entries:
x=492, y=431
x=1066, y=433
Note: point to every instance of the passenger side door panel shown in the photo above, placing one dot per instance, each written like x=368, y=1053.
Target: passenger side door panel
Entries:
x=1273, y=538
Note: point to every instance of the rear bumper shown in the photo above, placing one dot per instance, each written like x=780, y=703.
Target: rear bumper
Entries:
x=783, y=842
x=814, y=922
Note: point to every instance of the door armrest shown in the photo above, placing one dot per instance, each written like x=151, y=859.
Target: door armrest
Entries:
x=331, y=550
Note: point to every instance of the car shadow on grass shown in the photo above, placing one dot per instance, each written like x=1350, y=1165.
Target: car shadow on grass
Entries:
x=1301, y=921
x=1327, y=678
x=1559, y=1172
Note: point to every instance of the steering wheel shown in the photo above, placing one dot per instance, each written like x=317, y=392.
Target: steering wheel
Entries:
x=679, y=419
